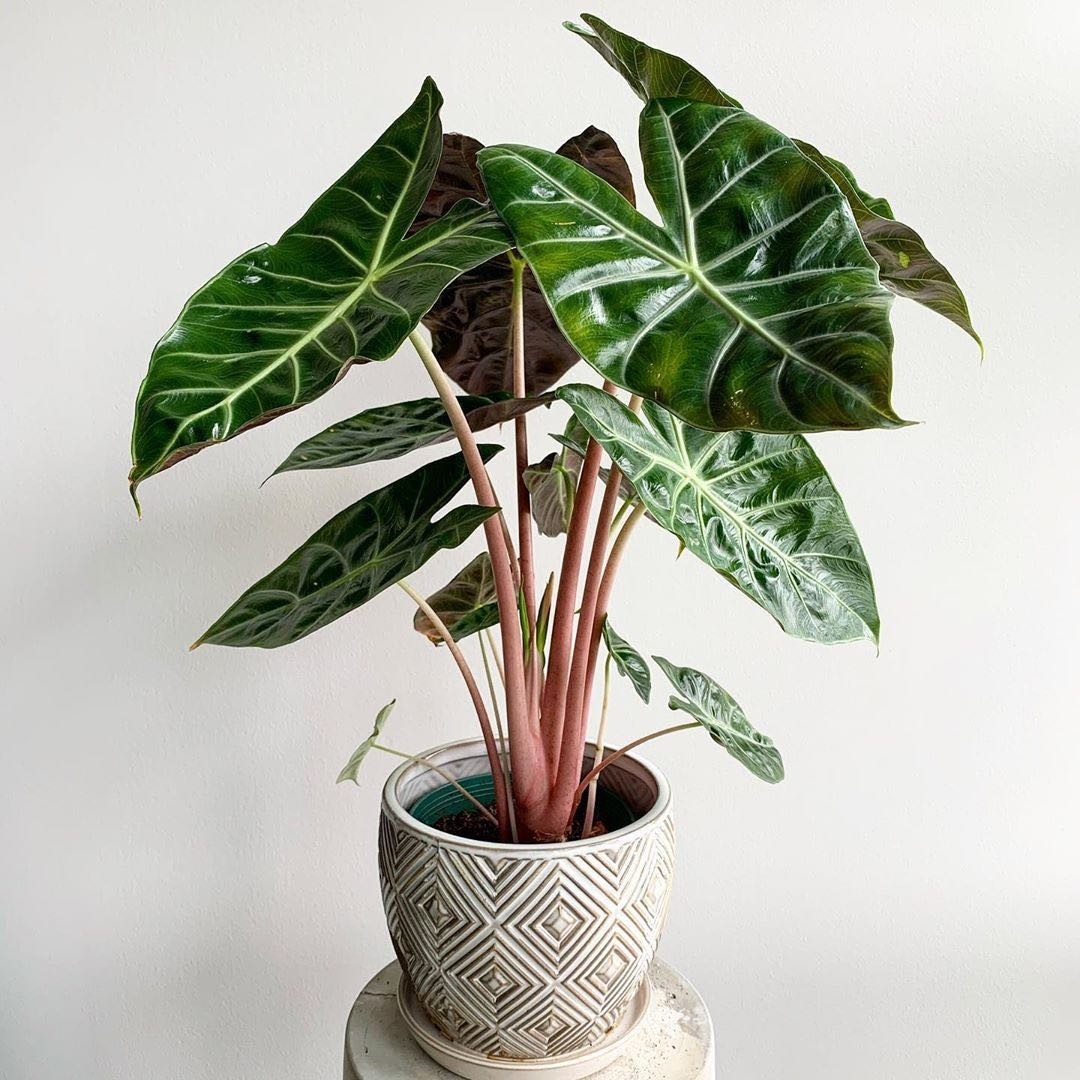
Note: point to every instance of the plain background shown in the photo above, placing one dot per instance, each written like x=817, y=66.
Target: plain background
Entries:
x=184, y=893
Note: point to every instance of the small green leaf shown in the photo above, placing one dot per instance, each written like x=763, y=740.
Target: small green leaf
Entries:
x=466, y=603
x=352, y=766
x=629, y=662
x=722, y=717
x=759, y=509
x=365, y=549
x=551, y=489
x=390, y=431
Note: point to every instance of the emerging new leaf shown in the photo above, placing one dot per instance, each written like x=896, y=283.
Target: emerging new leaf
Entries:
x=551, y=490
x=722, y=717
x=352, y=766
x=282, y=323
x=629, y=662
x=466, y=604
x=756, y=306
x=760, y=509
x=907, y=266
x=366, y=548
x=390, y=431
x=470, y=323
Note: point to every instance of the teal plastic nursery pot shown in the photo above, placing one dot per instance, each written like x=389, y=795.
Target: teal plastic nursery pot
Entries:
x=524, y=951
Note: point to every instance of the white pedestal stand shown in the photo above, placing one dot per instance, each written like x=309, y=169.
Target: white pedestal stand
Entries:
x=674, y=1042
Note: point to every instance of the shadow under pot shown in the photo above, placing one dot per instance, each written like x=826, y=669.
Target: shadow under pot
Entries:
x=524, y=951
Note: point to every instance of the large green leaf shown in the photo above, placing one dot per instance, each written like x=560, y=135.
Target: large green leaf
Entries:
x=760, y=509
x=283, y=322
x=629, y=662
x=352, y=766
x=755, y=306
x=466, y=603
x=470, y=323
x=907, y=266
x=361, y=551
x=390, y=431
x=722, y=717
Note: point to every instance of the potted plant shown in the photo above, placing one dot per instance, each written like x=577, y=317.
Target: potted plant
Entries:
x=526, y=872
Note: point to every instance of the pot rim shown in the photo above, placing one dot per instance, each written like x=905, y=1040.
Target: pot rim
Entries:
x=392, y=806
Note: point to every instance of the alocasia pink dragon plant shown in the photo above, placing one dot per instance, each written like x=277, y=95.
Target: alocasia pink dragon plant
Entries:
x=755, y=311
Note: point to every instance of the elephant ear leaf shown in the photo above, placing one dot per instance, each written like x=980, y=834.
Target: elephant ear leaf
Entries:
x=723, y=718
x=907, y=266
x=390, y=431
x=652, y=73
x=759, y=509
x=551, y=487
x=465, y=604
x=365, y=549
x=279, y=325
x=755, y=306
x=470, y=322
x=352, y=766
x=629, y=662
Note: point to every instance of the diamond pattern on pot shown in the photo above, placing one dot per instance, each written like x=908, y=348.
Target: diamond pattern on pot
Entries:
x=519, y=954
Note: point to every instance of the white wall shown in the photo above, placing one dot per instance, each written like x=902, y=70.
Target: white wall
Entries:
x=184, y=892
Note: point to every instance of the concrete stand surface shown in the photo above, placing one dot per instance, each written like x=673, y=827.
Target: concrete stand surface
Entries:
x=674, y=1042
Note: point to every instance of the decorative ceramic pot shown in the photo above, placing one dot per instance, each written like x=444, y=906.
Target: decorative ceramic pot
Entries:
x=524, y=951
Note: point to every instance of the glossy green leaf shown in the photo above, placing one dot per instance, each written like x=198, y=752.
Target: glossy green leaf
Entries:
x=470, y=323
x=466, y=603
x=760, y=509
x=723, y=718
x=390, y=431
x=755, y=306
x=282, y=323
x=907, y=266
x=652, y=73
x=629, y=662
x=551, y=489
x=377, y=541
x=352, y=766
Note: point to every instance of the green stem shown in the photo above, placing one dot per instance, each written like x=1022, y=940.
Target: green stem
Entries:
x=590, y=806
x=428, y=764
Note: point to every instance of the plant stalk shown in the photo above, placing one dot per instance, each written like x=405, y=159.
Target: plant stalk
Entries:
x=502, y=801
x=503, y=747
x=590, y=805
x=527, y=759
x=595, y=771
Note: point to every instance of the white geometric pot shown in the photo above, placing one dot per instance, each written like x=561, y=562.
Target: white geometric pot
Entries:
x=523, y=951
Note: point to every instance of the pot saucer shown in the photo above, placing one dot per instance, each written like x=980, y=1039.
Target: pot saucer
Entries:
x=476, y=1066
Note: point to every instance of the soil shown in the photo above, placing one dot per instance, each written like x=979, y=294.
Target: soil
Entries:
x=472, y=825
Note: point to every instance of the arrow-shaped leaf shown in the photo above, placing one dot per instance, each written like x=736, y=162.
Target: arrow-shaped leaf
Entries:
x=282, y=323
x=366, y=548
x=755, y=306
x=390, y=431
x=722, y=717
x=629, y=662
x=551, y=487
x=760, y=509
x=470, y=323
x=907, y=266
x=466, y=604
x=352, y=766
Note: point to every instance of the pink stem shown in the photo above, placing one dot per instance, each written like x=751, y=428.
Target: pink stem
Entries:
x=527, y=759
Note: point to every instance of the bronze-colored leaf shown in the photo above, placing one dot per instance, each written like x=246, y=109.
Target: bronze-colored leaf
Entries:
x=470, y=323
